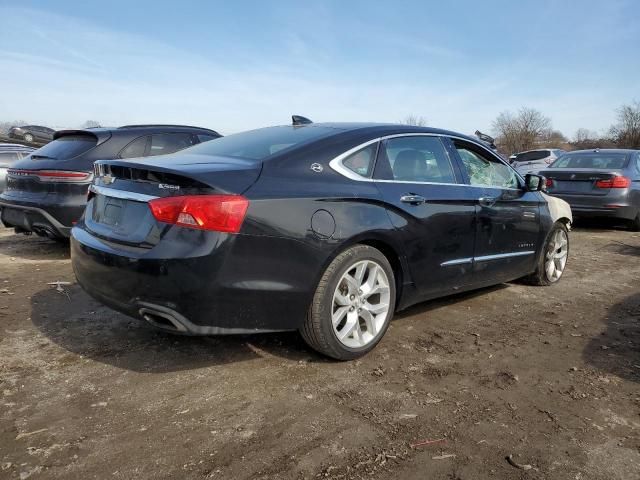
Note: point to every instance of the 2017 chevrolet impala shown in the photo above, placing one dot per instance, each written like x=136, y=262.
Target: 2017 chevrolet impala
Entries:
x=322, y=228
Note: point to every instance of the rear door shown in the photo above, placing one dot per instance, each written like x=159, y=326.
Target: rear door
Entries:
x=507, y=230
x=431, y=210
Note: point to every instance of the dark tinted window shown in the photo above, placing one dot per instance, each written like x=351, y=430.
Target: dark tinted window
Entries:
x=205, y=138
x=595, y=160
x=261, y=143
x=483, y=169
x=67, y=147
x=415, y=159
x=164, y=143
x=532, y=156
x=7, y=158
x=135, y=148
x=361, y=162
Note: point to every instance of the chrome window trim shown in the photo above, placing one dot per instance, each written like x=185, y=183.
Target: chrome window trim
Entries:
x=486, y=258
x=122, y=194
x=337, y=166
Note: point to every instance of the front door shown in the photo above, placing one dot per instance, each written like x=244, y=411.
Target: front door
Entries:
x=430, y=208
x=508, y=217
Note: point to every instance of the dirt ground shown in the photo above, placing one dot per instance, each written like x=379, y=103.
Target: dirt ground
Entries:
x=550, y=376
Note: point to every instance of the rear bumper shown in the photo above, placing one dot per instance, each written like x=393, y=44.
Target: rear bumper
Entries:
x=213, y=284
x=32, y=219
x=592, y=206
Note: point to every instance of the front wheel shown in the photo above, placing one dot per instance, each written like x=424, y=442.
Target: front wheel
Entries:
x=28, y=137
x=553, y=260
x=353, y=304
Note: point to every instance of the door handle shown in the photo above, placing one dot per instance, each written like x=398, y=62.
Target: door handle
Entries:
x=413, y=199
x=487, y=201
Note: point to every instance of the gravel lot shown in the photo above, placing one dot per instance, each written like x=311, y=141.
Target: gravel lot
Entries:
x=550, y=376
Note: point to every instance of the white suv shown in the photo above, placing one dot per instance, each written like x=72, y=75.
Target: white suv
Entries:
x=532, y=161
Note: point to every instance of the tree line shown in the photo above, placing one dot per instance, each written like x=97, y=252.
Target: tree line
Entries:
x=528, y=129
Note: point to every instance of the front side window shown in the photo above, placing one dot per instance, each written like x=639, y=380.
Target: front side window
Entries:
x=414, y=159
x=361, y=162
x=165, y=143
x=484, y=170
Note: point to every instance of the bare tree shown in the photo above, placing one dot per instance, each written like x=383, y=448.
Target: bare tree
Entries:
x=414, y=120
x=626, y=131
x=521, y=131
x=584, y=135
x=5, y=126
x=90, y=124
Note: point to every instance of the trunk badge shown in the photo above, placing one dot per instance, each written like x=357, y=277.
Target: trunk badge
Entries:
x=316, y=167
x=166, y=186
x=108, y=179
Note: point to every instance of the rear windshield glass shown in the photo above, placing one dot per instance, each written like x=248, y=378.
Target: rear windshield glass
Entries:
x=261, y=143
x=67, y=147
x=595, y=160
x=531, y=156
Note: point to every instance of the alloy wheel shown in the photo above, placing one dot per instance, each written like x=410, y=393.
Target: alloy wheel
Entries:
x=556, y=256
x=361, y=304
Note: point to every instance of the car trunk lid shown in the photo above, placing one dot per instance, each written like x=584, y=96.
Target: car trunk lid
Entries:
x=118, y=210
x=575, y=181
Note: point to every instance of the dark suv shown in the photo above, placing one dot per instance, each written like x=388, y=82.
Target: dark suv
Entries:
x=46, y=192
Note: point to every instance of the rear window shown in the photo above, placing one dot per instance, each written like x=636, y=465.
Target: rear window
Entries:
x=532, y=156
x=261, y=143
x=67, y=147
x=595, y=160
x=7, y=158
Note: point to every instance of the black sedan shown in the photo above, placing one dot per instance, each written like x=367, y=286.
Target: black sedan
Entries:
x=598, y=183
x=322, y=228
x=46, y=192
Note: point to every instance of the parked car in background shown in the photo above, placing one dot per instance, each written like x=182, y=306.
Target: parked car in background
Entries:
x=533, y=160
x=9, y=154
x=598, y=183
x=32, y=133
x=46, y=192
x=322, y=228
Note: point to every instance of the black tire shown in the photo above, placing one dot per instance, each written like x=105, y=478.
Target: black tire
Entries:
x=317, y=330
x=634, y=225
x=540, y=276
x=28, y=138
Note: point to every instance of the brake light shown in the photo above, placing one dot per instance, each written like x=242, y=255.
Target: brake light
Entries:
x=548, y=183
x=51, y=175
x=220, y=213
x=615, y=182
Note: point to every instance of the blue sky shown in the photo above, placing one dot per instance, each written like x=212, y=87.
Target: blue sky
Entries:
x=237, y=65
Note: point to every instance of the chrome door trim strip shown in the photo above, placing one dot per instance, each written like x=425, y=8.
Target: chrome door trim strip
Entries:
x=498, y=256
x=122, y=194
x=336, y=163
x=485, y=258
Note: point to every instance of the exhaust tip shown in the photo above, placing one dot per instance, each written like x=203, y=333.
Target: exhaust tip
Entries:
x=162, y=320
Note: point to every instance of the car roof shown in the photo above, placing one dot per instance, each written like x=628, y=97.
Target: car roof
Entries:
x=103, y=133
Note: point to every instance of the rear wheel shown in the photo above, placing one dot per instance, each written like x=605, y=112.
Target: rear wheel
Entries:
x=353, y=304
x=553, y=260
x=28, y=137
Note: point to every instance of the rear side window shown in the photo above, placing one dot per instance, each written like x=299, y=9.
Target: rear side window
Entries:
x=66, y=147
x=414, y=159
x=595, y=160
x=484, y=170
x=7, y=158
x=361, y=162
x=135, y=148
x=164, y=143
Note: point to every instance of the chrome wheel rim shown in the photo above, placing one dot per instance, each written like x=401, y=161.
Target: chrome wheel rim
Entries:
x=361, y=304
x=556, y=256
x=28, y=137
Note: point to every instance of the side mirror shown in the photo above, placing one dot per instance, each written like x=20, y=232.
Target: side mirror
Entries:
x=534, y=183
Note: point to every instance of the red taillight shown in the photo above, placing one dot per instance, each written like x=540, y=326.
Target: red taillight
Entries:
x=220, y=213
x=51, y=175
x=615, y=182
x=548, y=183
